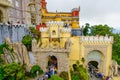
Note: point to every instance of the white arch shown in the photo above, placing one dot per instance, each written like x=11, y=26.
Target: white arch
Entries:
x=95, y=56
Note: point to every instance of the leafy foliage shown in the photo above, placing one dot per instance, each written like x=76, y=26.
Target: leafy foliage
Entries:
x=80, y=73
x=34, y=32
x=101, y=30
x=86, y=29
x=55, y=77
x=27, y=41
x=34, y=70
x=12, y=71
x=3, y=46
x=97, y=30
x=64, y=75
x=75, y=75
x=116, y=48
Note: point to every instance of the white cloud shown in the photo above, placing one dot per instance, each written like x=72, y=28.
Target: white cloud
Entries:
x=92, y=11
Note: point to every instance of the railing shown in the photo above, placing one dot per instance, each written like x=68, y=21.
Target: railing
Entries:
x=5, y=3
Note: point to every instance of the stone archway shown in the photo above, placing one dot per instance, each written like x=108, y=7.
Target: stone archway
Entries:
x=95, y=57
x=1, y=16
x=52, y=63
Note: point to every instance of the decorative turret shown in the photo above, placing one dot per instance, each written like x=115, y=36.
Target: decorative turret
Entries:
x=75, y=15
x=75, y=12
x=43, y=2
x=94, y=39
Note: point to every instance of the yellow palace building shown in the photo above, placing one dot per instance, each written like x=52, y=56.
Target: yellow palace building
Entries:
x=62, y=40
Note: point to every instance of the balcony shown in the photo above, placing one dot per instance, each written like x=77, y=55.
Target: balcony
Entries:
x=5, y=3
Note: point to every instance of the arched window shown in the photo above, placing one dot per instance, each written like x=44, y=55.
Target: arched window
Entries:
x=53, y=32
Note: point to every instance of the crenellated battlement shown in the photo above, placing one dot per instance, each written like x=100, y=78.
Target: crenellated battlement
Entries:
x=97, y=39
x=67, y=29
x=51, y=23
x=43, y=29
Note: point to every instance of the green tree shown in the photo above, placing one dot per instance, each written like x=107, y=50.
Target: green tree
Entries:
x=2, y=75
x=116, y=48
x=34, y=70
x=80, y=73
x=101, y=30
x=86, y=29
x=12, y=71
x=27, y=41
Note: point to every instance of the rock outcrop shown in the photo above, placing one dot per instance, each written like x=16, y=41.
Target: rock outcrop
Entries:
x=19, y=54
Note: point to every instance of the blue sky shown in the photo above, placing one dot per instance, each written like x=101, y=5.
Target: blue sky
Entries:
x=92, y=11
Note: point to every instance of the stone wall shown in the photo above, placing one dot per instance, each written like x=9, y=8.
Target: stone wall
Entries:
x=62, y=60
x=14, y=32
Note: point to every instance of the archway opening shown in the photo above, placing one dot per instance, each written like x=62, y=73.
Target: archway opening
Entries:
x=94, y=64
x=52, y=64
x=1, y=16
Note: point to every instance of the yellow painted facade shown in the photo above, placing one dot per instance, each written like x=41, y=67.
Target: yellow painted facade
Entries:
x=92, y=48
x=56, y=38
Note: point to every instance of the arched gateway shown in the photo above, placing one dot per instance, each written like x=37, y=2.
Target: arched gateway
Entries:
x=97, y=50
x=95, y=58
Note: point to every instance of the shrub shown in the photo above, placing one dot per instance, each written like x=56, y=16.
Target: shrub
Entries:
x=79, y=73
x=27, y=41
x=75, y=75
x=34, y=70
x=64, y=75
x=12, y=71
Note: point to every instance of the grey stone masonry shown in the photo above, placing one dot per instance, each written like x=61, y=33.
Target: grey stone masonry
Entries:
x=14, y=32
